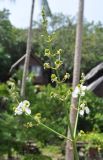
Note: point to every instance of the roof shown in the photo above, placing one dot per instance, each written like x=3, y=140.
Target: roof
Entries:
x=22, y=58
x=94, y=80
x=95, y=84
x=93, y=72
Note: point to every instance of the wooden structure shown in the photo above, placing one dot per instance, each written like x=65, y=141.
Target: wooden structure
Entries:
x=40, y=76
x=94, y=80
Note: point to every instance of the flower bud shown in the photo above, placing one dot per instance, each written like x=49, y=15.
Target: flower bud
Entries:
x=59, y=51
x=37, y=117
x=66, y=76
x=47, y=52
x=53, y=78
x=46, y=65
x=58, y=63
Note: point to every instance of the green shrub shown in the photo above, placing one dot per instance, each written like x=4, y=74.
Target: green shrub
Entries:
x=52, y=110
x=93, y=140
x=94, y=121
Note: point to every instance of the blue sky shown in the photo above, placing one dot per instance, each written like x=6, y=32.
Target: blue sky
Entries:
x=20, y=10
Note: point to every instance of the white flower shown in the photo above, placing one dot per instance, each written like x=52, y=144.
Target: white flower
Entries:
x=76, y=92
x=79, y=90
x=82, y=105
x=84, y=109
x=18, y=110
x=83, y=88
x=81, y=112
x=23, y=107
x=87, y=110
x=26, y=103
x=27, y=110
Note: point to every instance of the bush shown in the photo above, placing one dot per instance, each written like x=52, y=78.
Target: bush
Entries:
x=53, y=111
x=93, y=139
x=94, y=121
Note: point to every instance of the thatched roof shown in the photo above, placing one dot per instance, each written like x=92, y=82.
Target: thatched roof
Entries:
x=95, y=84
x=94, y=80
x=94, y=73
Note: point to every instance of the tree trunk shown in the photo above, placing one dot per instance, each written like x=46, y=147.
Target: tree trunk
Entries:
x=76, y=77
x=28, y=50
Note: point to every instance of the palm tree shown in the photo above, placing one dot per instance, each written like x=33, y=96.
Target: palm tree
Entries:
x=28, y=50
x=76, y=76
x=29, y=42
x=45, y=4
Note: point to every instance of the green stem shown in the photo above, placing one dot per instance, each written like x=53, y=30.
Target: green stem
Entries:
x=77, y=116
x=72, y=140
x=17, y=101
x=76, y=157
x=76, y=123
x=59, y=134
x=50, y=129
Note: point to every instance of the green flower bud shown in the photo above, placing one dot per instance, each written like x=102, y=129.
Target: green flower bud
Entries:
x=46, y=65
x=47, y=52
x=58, y=63
x=43, y=13
x=52, y=94
x=81, y=133
x=66, y=76
x=37, y=117
x=59, y=51
x=28, y=124
x=54, y=78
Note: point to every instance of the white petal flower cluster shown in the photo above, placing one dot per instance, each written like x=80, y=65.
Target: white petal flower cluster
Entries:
x=23, y=107
x=84, y=109
x=79, y=90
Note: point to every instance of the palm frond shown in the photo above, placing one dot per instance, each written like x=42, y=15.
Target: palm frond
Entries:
x=46, y=7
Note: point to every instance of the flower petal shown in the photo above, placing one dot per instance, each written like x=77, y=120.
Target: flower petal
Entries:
x=27, y=111
x=87, y=110
x=81, y=112
x=75, y=92
x=26, y=103
x=20, y=105
x=18, y=111
x=83, y=88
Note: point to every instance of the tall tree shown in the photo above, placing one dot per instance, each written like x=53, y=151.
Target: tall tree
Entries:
x=45, y=4
x=29, y=41
x=28, y=50
x=76, y=77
